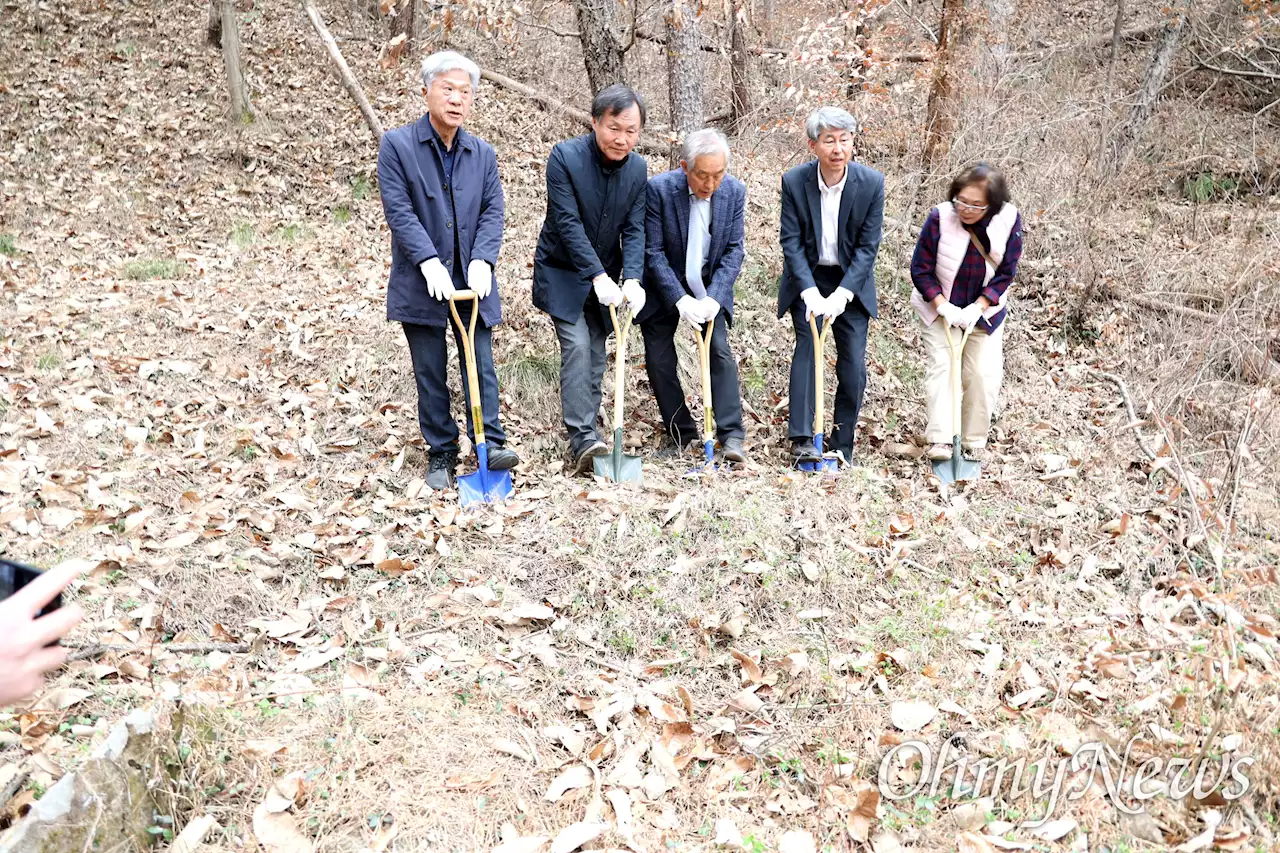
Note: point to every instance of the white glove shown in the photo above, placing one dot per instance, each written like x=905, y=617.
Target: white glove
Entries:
x=838, y=301
x=970, y=315
x=634, y=294
x=480, y=278
x=607, y=290
x=815, y=305
x=950, y=313
x=439, y=282
x=690, y=310
x=709, y=307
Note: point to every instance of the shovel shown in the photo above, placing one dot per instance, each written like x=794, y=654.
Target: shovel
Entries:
x=618, y=466
x=484, y=485
x=829, y=461
x=957, y=467
x=708, y=424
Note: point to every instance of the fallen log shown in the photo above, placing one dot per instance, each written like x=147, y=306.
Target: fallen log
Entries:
x=532, y=94
x=344, y=71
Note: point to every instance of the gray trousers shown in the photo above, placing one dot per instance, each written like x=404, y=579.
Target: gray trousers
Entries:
x=582, y=362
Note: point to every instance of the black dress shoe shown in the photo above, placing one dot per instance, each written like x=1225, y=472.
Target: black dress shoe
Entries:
x=502, y=458
x=440, y=471
x=803, y=450
x=585, y=460
x=731, y=450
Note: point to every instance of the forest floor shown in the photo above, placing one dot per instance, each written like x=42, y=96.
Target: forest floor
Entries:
x=202, y=401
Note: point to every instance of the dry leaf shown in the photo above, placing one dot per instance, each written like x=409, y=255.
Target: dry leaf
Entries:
x=727, y=834
x=1054, y=829
x=750, y=669
x=510, y=747
x=193, y=835
x=970, y=842
x=863, y=816
x=528, y=844
x=61, y=698
x=797, y=841
x=912, y=716
x=575, y=835
x=278, y=832
x=577, y=776
x=284, y=792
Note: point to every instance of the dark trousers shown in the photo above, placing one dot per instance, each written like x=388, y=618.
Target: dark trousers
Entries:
x=850, y=332
x=664, y=377
x=429, y=354
x=582, y=360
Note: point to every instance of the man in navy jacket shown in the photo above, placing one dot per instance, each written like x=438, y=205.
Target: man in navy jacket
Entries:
x=832, y=216
x=693, y=253
x=592, y=238
x=443, y=202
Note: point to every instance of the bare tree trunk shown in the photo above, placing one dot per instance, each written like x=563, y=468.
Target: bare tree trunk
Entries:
x=240, y=109
x=214, y=32
x=1105, y=125
x=684, y=72
x=602, y=53
x=767, y=10
x=942, y=107
x=1157, y=71
x=404, y=24
x=740, y=95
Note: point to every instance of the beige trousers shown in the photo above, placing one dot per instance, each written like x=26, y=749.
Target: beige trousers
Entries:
x=982, y=372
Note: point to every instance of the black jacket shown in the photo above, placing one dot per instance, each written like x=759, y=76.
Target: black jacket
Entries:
x=594, y=224
x=861, y=222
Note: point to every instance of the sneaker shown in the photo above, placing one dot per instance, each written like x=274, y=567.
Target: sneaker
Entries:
x=939, y=452
x=585, y=459
x=502, y=458
x=731, y=450
x=440, y=471
x=974, y=454
x=803, y=450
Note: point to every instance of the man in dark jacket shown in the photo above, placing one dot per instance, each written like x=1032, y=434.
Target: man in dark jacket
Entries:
x=693, y=253
x=443, y=202
x=832, y=215
x=592, y=238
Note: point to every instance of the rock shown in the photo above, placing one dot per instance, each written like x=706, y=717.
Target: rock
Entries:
x=108, y=797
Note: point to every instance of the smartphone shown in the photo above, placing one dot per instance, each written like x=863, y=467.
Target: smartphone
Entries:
x=14, y=576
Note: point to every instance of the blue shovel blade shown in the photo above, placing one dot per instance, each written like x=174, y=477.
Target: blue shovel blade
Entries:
x=484, y=486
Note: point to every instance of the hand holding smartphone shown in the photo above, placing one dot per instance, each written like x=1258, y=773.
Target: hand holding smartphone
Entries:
x=32, y=620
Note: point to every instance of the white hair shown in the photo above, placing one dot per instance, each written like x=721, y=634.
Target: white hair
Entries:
x=824, y=119
x=445, y=61
x=703, y=142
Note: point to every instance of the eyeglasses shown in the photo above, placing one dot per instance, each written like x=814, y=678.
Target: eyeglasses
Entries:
x=966, y=206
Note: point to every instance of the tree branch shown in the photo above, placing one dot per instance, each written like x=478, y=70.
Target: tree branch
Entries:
x=540, y=26
x=1265, y=75
x=344, y=70
x=533, y=94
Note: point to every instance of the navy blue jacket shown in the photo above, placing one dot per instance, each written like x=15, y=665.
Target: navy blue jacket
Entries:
x=861, y=222
x=594, y=224
x=666, y=236
x=424, y=212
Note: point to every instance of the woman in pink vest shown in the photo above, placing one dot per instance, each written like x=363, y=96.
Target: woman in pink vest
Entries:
x=964, y=262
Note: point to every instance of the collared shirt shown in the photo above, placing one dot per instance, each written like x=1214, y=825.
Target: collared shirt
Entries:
x=609, y=170
x=699, y=240
x=447, y=156
x=969, y=281
x=829, y=251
